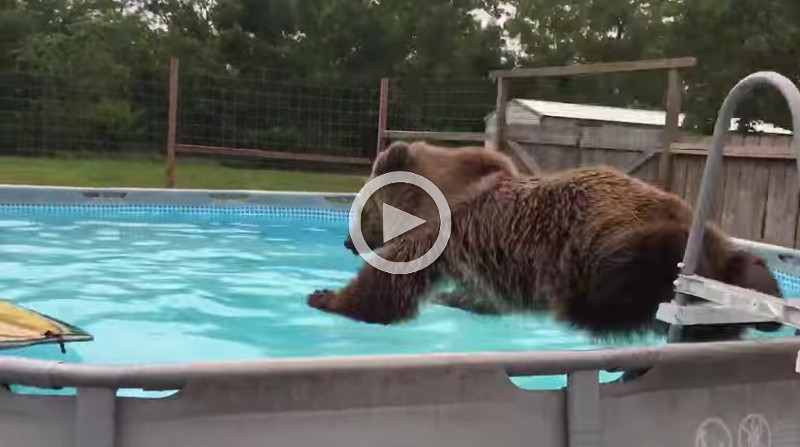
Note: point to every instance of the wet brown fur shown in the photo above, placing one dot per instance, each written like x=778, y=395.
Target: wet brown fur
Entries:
x=596, y=247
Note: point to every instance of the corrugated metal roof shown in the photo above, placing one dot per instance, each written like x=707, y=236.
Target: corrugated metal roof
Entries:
x=619, y=114
x=596, y=113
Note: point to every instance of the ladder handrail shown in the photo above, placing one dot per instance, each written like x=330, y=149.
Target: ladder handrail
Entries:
x=714, y=161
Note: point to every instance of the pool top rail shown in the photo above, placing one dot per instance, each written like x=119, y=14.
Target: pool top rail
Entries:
x=52, y=374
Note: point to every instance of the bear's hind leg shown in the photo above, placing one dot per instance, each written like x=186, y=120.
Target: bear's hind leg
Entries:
x=632, y=276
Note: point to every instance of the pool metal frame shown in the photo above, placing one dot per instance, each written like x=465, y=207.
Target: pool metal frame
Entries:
x=744, y=393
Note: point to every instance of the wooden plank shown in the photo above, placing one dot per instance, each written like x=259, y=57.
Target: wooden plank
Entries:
x=717, y=203
x=610, y=137
x=694, y=178
x=753, y=140
x=780, y=222
x=777, y=143
x=383, y=114
x=598, y=68
x=500, y=114
x=652, y=172
x=172, y=132
x=617, y=159
x=648, y=172
x=527, y=159
x=553, y=158
x=765, y=152
x=639, y=163
x=777, y=140
x=433, y=136
x=670, y=132
x=678, y=185
x=590, y=157
x=591, y=137
x=751, y=199
x=730, y=222
x=760, y=196
x=735, y=140
x=258, y=153
x=551, y=136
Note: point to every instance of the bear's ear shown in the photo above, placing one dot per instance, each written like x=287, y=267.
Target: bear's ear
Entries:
x=394, y=158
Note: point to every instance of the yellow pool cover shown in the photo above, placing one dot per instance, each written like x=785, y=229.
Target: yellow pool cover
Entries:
x=21, y=327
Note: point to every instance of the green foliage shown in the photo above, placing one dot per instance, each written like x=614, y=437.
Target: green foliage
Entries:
x=730, y=39
x=733, y=38
x=303, y=75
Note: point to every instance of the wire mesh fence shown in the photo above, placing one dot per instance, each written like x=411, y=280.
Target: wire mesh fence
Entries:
x=48, y=114
x=278, y=110
x=292, y=112
x=275, y=110
x=440, y=105
x=44, y=114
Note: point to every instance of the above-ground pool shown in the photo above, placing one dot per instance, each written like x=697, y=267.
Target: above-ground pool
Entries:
x=164, y=284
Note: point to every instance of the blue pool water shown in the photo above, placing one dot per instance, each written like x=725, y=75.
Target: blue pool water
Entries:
x=156, y=285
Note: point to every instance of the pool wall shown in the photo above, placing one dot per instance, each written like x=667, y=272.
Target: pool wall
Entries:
x=726, y=394
x=694, y=395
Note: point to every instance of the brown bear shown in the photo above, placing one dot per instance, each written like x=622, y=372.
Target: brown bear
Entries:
x=598, y=248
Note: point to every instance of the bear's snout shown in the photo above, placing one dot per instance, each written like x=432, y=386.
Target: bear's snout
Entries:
x=348, y=244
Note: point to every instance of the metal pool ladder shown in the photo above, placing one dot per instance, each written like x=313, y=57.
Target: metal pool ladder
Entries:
x=726, y=303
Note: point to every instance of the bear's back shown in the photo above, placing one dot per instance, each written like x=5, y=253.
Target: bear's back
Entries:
x=612, y=192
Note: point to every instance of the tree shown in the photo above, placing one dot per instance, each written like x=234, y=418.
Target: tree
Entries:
x=554, y=32
x=731, y=39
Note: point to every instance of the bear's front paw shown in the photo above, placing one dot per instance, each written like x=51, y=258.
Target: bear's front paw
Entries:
x=322, y=300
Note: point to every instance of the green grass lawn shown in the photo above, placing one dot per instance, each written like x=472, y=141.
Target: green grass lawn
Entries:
x=192, y=174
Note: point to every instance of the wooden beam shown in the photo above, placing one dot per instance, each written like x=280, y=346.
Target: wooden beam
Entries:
x=501, y=104
x=638, y=164
x=275, y=155
x=524, y=157
x=440, y=136
x=560, y=137
x=383, y=114
x=172, y=119
x=757, y=152
x=599, y=68
x=671, y=126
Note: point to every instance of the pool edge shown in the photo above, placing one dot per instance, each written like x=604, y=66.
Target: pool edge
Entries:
x=69, y=195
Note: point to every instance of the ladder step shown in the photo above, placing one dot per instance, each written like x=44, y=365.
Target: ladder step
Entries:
x=705, y=313
x=728, y=304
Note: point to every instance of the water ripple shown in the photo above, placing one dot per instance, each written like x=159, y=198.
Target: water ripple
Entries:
x=181, y=290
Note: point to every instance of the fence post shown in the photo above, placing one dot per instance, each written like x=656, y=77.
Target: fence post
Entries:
x=173, y=121
x=500, y=113
x=383, y=114
x=671, y=126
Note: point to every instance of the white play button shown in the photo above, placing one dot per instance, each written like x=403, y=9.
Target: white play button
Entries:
x=397, y=222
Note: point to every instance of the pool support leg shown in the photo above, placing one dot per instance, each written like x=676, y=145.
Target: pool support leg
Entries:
x=584, y=421
x=95, y=417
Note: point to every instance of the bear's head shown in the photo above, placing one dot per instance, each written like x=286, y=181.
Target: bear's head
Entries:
x=459, y=173
x=748, y=270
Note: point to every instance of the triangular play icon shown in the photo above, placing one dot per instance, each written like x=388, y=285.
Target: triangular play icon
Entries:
x=397, y=222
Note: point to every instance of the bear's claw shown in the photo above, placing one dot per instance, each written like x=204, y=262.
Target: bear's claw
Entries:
x=322, y=299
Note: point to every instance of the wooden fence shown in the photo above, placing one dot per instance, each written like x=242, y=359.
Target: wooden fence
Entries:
x=175, y=147
x=756, y=197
